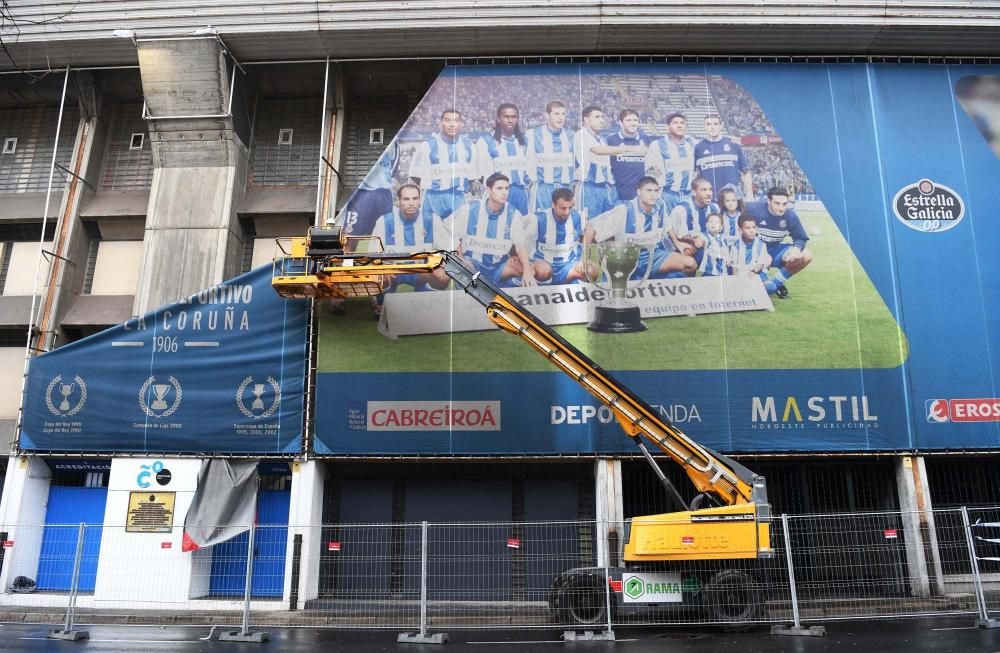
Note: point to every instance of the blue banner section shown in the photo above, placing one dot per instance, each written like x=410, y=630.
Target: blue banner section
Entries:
x=221, y=372
x=548, y=413
x=881, y=261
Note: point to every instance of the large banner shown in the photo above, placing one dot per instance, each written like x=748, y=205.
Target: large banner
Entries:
x=219, y=372
x=777, y=257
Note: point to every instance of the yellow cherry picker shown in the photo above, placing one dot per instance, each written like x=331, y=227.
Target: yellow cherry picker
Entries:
x=714, y=538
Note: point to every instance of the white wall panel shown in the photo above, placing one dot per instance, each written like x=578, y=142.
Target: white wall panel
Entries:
x=117, y=268
x=23, y=263
x=11, y=370
x=264, y=250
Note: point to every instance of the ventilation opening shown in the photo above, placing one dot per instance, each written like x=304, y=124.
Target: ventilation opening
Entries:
x=9, y=145
x=88, y=275
x=376, y=136
x=285, y=136
x=137, y=141
x=11, y=337
x=80, y=474
x=8, y=249
x=249, y=234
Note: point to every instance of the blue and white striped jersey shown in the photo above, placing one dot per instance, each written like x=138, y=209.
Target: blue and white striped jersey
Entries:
x=628, y=223
x=716, y=256
x=672, y=162
x=401, y=233
x=557, y=241
x=730, y=227
x=484, y=237
x=443, y=164
x=744, y=255
x=689, y=218
x=550, y=155
x=591, y=168
x=507, y=156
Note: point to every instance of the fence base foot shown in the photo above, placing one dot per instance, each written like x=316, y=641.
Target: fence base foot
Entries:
x=71, y=635
x=799, y=631
x=421, y=638
x=988, y=623
x=588, y=636
x=258, y=637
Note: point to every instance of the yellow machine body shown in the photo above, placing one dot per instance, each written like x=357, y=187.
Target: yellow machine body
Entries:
x=724, y=533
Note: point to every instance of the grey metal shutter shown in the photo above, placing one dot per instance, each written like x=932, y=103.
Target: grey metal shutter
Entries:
x=295, y=163
x=363, y=115
x=27, y=169
x=125, y=168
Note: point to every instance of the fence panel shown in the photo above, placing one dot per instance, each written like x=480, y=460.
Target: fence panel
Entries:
x=33, y=551
x=501, y=575
x=353, y=576
x=870, y=565
x=985, y=531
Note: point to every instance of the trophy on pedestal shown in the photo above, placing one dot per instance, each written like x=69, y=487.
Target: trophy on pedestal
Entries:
x=159, y=391
x=65, y=389
x=258, y=392
x=617, y=263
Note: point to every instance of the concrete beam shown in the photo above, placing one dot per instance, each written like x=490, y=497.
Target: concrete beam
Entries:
x=610, y=512
x=193, y=238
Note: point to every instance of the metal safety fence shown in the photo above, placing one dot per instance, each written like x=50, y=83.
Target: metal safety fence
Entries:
x=425, y=576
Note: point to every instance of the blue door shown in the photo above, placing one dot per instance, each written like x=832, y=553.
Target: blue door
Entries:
x=229, y=559
x=67, y=507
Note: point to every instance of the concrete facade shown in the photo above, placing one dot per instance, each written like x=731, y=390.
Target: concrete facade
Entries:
x=190, y=225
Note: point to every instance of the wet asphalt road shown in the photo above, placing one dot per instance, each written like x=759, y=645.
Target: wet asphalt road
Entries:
x=944, y=635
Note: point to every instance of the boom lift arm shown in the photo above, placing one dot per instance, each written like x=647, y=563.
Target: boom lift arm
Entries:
x=321, y=266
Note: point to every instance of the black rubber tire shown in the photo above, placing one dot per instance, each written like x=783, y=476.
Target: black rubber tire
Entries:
x=585, y=603
x=733, y=599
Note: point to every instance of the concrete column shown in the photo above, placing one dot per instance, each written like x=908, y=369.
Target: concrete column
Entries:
x=193, y=239
x=918, y=527
x=610, y=512
x=72, y=242
x=22, y=516
x=305, y=517
x=330, y=148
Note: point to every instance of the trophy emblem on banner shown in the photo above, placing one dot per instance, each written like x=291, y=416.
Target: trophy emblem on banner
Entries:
x=66, y=390
x=617, y=262
x=258, y=407
x=155, y=403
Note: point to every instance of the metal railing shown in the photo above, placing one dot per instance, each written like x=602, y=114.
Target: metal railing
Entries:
x=443, y=576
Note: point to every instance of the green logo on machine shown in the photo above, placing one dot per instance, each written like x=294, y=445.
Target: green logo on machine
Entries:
x=634, y=587
x=652, y=587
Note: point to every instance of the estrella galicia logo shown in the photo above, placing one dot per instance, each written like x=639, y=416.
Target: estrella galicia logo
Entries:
x=937, y=411
x=154, y=469
x=59, y=403
x=926, y=206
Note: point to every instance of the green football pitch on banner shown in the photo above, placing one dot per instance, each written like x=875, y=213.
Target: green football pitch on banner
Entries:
x=835, y=319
